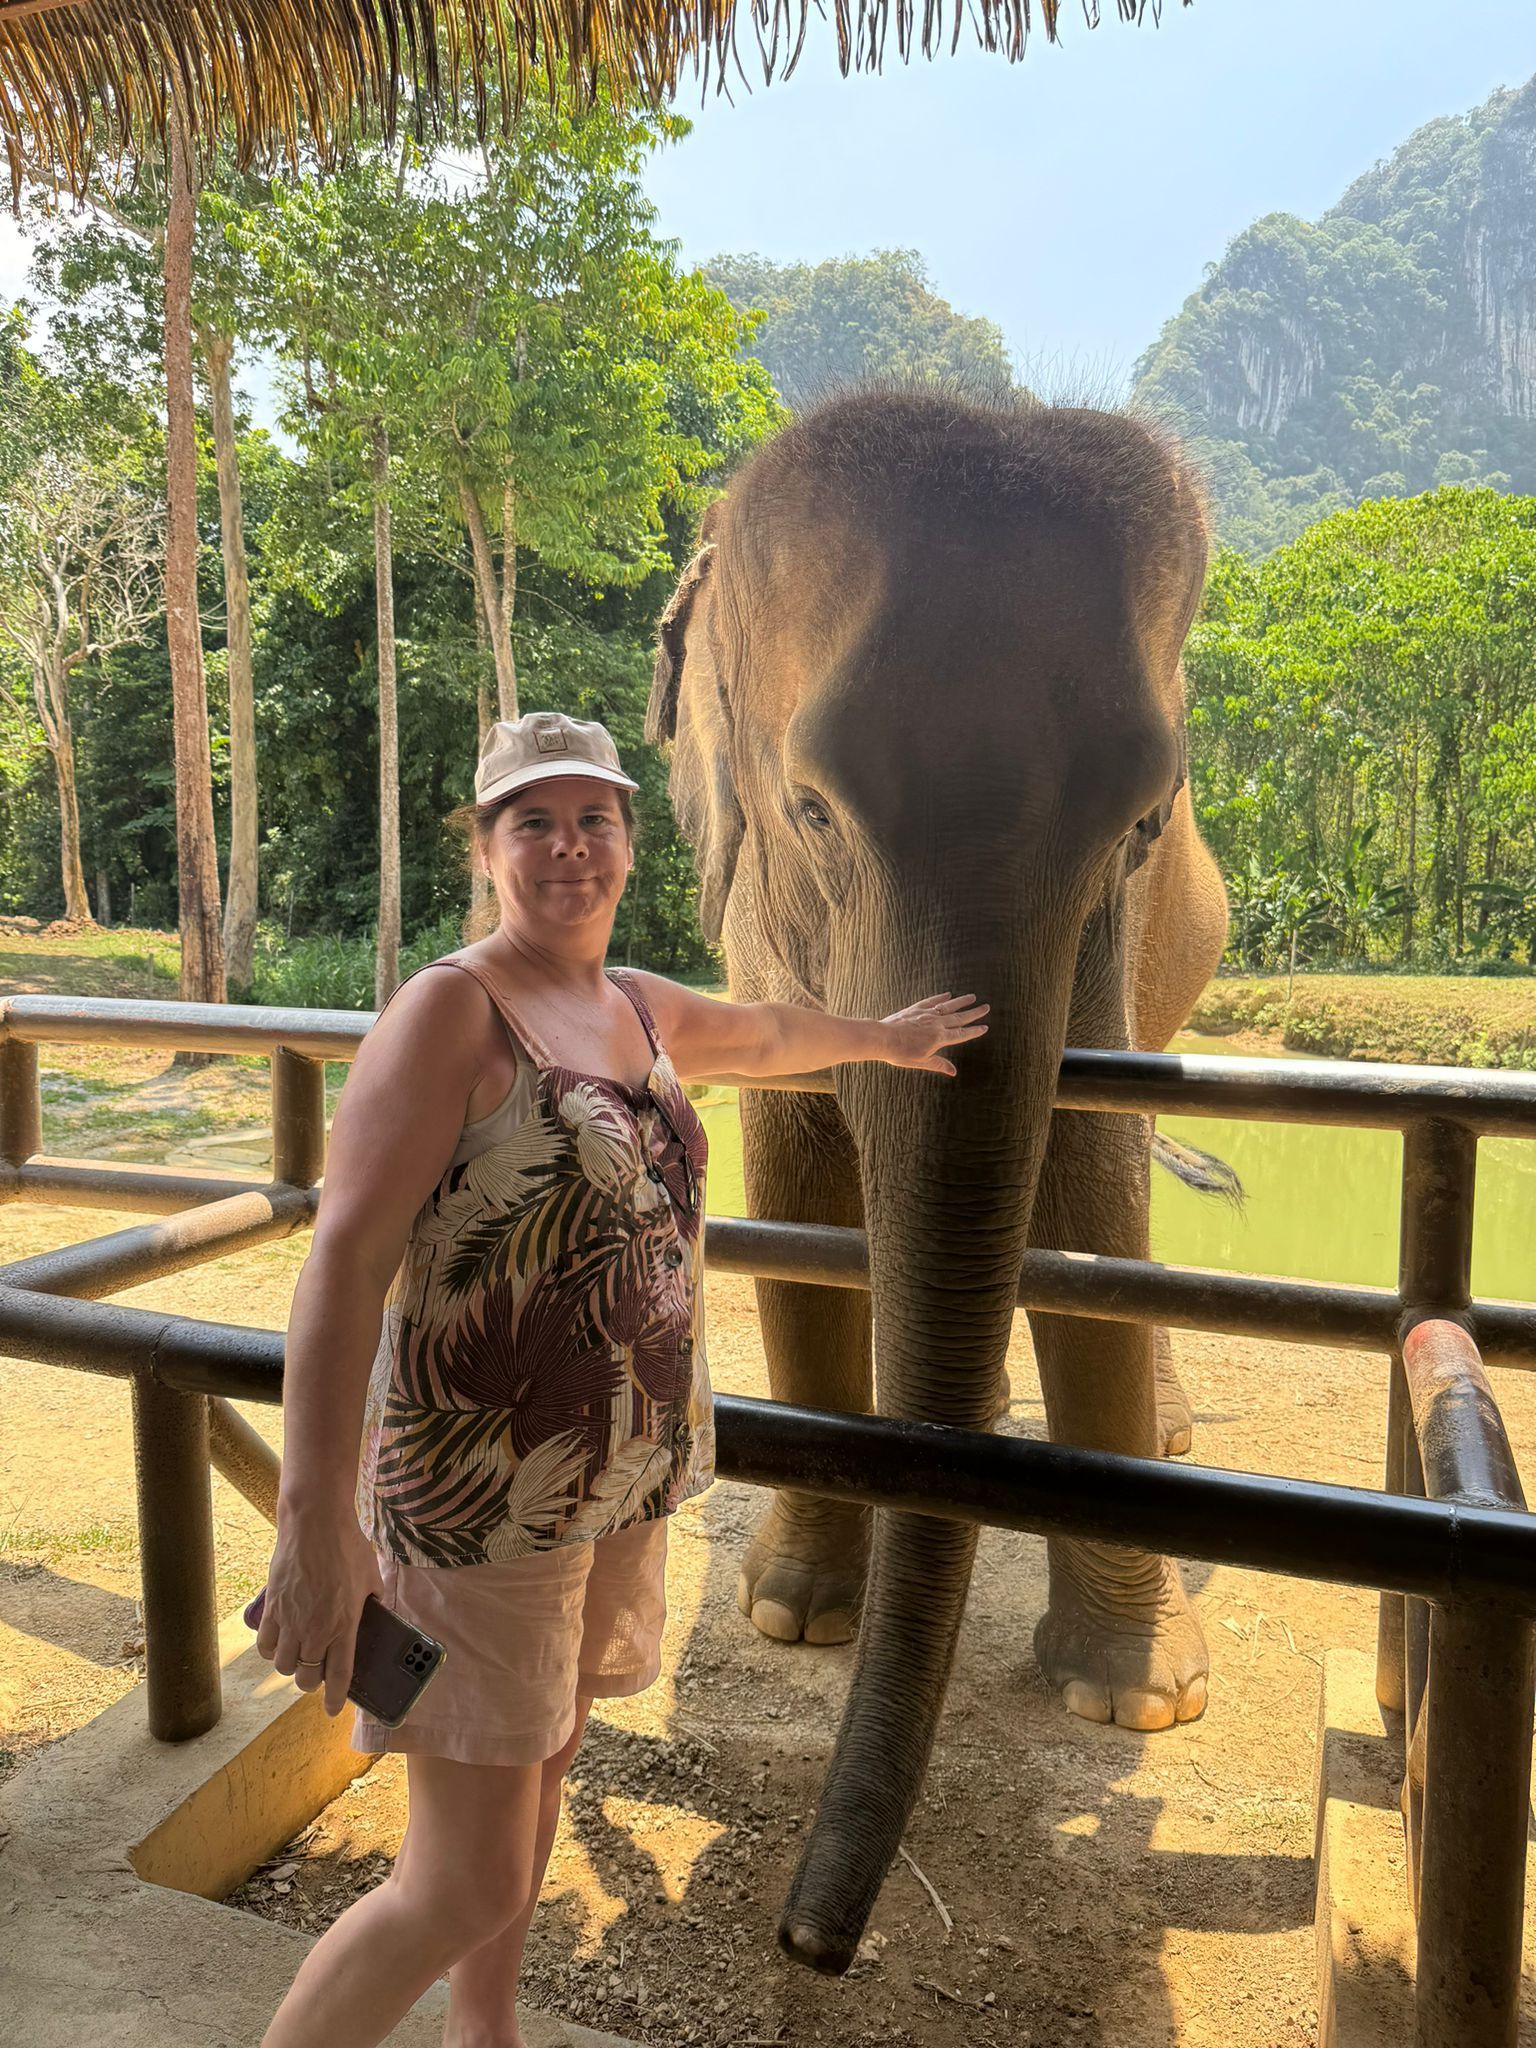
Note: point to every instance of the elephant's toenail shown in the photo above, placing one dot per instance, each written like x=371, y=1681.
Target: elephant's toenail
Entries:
x=1192, y=1704
x=1145, y=1711
x=1086, y=1701
x=773, y=1618
x=835, y=1626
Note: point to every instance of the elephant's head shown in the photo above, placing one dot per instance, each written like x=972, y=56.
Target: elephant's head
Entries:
x=921, y=684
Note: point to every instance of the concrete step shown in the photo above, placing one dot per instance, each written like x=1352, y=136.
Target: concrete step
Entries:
x=1366, y=1937
x=117, y=1849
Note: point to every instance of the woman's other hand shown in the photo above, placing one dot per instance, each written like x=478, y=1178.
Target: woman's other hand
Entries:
x=323, y=1569
x=918, y=1034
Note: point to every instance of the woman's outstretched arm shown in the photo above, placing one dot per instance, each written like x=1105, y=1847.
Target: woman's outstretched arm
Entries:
x=706, y=1037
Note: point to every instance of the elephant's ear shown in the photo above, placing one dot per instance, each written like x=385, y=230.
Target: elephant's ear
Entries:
x=672, y=650
x=688, y=711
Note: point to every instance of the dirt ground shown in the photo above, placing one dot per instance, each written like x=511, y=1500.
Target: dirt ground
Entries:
x=1104, y=1887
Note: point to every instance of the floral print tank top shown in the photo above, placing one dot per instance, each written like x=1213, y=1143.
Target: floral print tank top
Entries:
x=541, y=1377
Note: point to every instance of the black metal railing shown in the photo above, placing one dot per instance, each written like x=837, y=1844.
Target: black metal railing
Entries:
x=1448, y=1544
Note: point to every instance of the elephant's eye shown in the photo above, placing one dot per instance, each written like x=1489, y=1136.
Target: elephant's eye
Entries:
x=815, y=814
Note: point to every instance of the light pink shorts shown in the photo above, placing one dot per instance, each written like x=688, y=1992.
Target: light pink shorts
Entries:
x=523, y=1640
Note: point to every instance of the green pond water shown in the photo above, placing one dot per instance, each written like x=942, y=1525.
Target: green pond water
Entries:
x=1321, y=1203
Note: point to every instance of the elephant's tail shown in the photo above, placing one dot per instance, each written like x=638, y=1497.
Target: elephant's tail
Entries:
x=1202, y=1171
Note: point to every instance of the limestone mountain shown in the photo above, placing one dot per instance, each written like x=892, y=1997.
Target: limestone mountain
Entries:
x=1388, y=347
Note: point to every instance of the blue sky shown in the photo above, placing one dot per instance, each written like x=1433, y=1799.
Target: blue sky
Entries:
x=1076, y=197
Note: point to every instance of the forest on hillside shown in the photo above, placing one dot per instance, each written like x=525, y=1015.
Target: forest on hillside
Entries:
x=1383, y=350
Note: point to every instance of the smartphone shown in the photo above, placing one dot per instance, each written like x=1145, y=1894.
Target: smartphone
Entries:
x=393, y=1664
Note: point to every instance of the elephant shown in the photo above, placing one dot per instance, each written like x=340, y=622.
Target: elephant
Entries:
x=922, y=695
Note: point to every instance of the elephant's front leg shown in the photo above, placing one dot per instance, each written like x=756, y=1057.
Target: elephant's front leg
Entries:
x=804, y=1572
x=1119, y=1638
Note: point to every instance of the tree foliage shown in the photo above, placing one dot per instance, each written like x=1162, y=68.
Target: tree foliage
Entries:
x=826, y=324
x=528, y=348
x=80, y=536
x=1363, y=733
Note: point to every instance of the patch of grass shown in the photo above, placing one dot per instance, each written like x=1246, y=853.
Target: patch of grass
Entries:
x=97, y=1539
x=1438, y=1020
x=123, y=1102
x=99, y=1100
x=120, y=961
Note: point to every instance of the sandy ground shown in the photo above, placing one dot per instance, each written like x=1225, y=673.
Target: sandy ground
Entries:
x=1105, y=1887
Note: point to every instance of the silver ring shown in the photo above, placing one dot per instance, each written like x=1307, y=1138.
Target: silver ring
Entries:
x=313, y=1663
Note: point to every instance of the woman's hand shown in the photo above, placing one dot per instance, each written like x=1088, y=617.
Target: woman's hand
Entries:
x=323, y=1569
x=918, y=1034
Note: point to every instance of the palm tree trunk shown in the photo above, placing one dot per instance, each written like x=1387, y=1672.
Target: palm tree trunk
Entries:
x=509, y=559
x=496, y=600
x=202, y=948
x=480, y=918
x=1490, y=871
x=52, y=693
x=386, y=972
x=240, y=896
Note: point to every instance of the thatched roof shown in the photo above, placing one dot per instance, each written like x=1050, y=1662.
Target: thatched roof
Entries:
x=96, y=77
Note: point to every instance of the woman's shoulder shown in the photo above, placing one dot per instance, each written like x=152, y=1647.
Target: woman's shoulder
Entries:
x=446, y=995
x=660, y=996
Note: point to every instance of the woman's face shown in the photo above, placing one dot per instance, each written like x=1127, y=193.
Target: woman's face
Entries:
x=558, y=855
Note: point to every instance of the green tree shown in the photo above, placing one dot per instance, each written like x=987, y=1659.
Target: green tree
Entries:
x=342, y=257
x=825, y=324
x=80, y=538
x=512, y=369
x=1360, y=703
x=569, y=384
x=527, y=357
x=142, y=287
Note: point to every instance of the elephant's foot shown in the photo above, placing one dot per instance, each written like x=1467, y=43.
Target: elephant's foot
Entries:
x=804, y=1574
x=1175, y=1419
x=1120, y=1640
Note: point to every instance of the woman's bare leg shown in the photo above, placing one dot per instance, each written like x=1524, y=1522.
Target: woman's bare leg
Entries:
x=482, y=2010
x=464, y=1873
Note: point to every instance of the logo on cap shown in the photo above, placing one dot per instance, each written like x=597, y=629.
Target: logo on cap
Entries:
x=551, y=741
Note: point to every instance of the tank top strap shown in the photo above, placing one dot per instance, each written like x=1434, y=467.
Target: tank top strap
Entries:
x=623, y=979
x=517, y=1030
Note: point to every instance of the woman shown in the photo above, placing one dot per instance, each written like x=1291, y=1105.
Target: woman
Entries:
x=515, y=1166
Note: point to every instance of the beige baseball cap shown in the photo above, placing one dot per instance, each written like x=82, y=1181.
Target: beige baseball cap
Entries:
x=541, y=746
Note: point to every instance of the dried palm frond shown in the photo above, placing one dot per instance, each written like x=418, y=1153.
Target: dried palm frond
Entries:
x=83, y=79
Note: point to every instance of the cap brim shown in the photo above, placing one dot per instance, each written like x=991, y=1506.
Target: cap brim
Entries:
x=551, y=771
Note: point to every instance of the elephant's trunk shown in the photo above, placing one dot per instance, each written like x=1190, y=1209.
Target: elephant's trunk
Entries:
x=950, y=1169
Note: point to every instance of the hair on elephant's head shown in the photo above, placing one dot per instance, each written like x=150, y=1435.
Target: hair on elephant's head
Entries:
x=921, y=685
